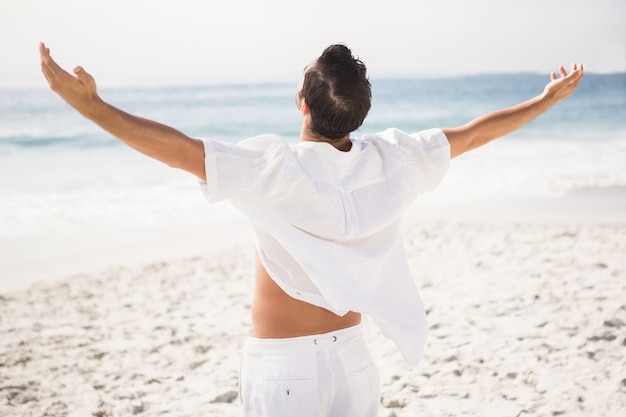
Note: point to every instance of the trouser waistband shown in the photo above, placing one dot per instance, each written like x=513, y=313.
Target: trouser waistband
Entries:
x=334, y=338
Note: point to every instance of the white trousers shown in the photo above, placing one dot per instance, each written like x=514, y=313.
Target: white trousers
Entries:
x=327, y=375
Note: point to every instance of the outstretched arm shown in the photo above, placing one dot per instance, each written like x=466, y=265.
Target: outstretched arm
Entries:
x=153, y=139
x=493, y=125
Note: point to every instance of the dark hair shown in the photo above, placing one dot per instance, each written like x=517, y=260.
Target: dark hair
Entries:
x=338, y=93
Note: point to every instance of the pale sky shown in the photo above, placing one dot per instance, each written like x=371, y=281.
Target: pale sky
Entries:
x=139, y=42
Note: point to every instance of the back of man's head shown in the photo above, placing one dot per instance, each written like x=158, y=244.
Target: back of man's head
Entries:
x=337, y=92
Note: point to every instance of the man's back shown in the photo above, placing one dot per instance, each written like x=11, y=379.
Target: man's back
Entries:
x=276, y=315
x=327, y=228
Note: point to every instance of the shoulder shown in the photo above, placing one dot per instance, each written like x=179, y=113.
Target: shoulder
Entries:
x=264, y=139
x=253, y=148
x=396, y=136
x=396, y=140
x=259, y=141
x=239, y=170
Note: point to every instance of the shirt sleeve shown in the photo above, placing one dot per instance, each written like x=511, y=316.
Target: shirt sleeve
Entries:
x=429, y=155
x=240, y=169
x=425, y=157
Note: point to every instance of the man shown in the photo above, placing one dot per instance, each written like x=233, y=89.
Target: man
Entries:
x=326, y=218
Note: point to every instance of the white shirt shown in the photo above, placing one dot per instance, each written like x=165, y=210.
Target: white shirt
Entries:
x=327, y=222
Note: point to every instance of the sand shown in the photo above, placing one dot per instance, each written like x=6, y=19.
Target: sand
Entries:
x=527, y=318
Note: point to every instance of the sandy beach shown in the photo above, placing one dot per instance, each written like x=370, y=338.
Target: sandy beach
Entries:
x=527, y=317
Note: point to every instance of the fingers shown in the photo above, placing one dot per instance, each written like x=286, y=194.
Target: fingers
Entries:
x=43, y=50
x=78, y=89
x=44, y=54
x=51, y=70
x=576, y=71
x=83, y=76
x=562, y=72
x=46, y=59
x=55, y=75
x=566, y=84
x=577, y=68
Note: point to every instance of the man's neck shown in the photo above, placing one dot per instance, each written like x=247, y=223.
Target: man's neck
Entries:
x=344, y=144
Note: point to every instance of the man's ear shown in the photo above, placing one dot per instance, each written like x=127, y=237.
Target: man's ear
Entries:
x=304, y=107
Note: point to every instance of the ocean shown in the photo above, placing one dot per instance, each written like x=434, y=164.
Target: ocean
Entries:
x=66, y=187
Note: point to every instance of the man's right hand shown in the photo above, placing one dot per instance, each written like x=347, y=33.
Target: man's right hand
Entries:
x=78, y=91
x=151, y=138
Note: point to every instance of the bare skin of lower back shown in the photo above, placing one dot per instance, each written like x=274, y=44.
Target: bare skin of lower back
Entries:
x=276, y=315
